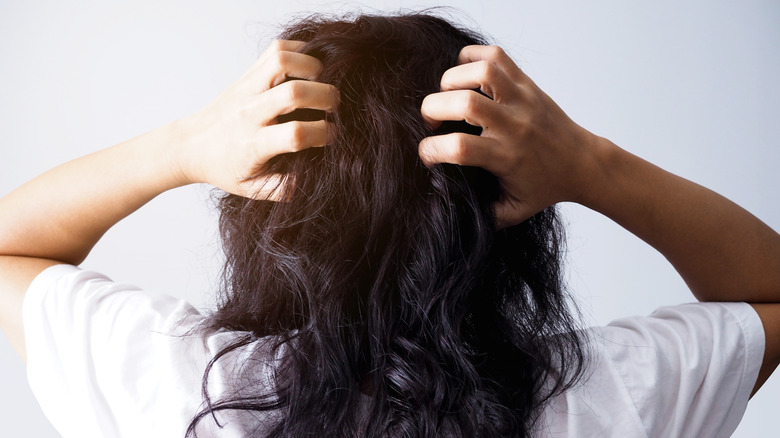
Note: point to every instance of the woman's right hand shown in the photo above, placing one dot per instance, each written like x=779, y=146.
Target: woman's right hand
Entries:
x=541, y=157
x=539, y=154
x=230, y=141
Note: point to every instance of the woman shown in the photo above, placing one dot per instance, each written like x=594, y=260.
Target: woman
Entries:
x=384, y=283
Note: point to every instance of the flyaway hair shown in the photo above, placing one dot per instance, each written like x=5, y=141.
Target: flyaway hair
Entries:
x=395, y=307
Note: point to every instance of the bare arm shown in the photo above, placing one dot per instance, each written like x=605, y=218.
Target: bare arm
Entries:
x=59, y=216
x=541, y=157
x=723, y=252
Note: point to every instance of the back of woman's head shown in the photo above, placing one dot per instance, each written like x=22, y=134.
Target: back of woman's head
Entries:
x=379, y=275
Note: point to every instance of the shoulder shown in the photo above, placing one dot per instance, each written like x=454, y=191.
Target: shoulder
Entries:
x=684, y=370
x=113, y=359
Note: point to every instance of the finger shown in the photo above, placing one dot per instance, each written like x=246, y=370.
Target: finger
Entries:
x=462, y=149
x=467, y=105
x=277, y=67
x=485, y=53
x=291, y=136
x=272, y=51
x=495, y=55
x=485, y=75
x=284, y=46
x=292, y=95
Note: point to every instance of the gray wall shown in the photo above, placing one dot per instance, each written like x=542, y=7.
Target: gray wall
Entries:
x=691, y=86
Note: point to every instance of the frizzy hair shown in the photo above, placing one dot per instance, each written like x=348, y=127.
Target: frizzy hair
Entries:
x=378, y=275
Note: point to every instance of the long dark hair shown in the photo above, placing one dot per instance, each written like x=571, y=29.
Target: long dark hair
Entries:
x=395, y=306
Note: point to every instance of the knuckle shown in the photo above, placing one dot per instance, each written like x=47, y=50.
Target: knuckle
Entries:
x=459, y=149
x=279, y=60
x=488, y=71
x=276, y=45
x=297, y=136
x=295, y=91
x=471, y=103
x=495, y=52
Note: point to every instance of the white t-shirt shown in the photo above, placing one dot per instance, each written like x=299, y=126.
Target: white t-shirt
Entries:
x=111, y=360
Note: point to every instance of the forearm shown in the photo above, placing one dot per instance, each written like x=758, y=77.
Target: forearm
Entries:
x=723, y=252
x=61, y=214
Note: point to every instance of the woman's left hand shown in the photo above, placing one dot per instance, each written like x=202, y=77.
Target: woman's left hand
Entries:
x=228, y=143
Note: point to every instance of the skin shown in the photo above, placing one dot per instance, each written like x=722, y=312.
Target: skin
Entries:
x=540, y=156
x=229, y=140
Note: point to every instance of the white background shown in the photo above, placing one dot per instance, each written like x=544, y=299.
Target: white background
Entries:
x=691, y=86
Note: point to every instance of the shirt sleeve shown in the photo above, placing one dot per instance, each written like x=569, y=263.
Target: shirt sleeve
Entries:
x=689, y=369
x=103, y=357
